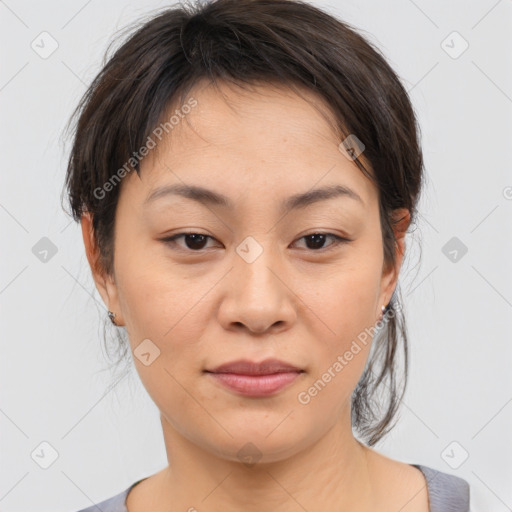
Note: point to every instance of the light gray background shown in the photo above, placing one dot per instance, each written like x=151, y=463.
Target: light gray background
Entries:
x=460, y=389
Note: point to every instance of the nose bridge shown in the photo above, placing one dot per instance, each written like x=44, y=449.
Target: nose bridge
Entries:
x=255, y=267
x=258, y=298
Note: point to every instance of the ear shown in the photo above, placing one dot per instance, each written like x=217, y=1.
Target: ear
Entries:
x=401, y=220
x=104, y=283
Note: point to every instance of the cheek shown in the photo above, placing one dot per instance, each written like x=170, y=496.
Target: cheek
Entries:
x=155, y=298
x=171, y=310
x=345, y=306
x=164, y=321
x=345, y=302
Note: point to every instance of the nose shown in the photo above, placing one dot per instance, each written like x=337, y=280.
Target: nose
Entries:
x=257, y=296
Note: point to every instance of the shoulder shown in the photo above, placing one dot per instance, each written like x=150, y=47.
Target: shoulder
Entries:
x=116, y=503
x=417, y=487
x=447, y=493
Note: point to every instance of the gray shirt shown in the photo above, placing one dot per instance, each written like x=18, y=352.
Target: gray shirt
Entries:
x=446, y=493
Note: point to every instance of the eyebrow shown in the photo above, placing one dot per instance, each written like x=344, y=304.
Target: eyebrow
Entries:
x=297, y=201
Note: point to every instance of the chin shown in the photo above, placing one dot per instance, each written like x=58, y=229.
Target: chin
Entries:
x=250, y=450
x=266, y=439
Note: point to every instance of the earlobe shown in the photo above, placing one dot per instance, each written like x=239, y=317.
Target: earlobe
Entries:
x=104, y=282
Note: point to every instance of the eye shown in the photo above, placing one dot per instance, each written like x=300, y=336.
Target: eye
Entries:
x=316, y=241
x=196, y=242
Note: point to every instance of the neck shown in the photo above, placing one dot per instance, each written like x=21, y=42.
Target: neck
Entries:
x=330, y=473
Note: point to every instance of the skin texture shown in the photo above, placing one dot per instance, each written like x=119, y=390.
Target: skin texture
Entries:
x=295, y=302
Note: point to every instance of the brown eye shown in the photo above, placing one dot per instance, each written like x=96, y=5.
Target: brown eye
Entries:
x=196, y=242
x=193, y=241
x=316, y=241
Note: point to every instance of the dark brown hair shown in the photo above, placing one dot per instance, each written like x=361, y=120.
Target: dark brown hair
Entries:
x=246, y=42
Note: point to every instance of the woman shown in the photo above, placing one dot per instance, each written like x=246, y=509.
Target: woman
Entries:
x=245, y=173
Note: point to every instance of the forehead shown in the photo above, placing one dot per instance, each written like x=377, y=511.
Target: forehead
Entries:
x=263, y=117
x=234, y=140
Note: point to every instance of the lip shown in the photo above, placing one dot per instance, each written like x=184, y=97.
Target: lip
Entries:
x=255, y=379
x=246, y=367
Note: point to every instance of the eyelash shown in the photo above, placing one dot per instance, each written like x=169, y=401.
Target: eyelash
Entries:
x=338, y=241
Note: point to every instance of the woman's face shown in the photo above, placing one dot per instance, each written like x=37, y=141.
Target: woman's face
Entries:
x=256, y=285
